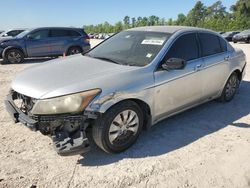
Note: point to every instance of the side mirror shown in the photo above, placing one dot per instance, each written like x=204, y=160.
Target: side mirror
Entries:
x=29, y=37
x=174, y=64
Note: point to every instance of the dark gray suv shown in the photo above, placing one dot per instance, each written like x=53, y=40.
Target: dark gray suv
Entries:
x=44, y=42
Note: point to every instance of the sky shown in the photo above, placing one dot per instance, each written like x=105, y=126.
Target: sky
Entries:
x=76, y=13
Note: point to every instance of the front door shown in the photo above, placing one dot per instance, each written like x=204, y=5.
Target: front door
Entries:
x=178, y=89
x=37, y=43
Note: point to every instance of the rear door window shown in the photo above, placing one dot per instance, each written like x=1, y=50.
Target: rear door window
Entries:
x=59, y=33
x=210, y=44
x=185, y=47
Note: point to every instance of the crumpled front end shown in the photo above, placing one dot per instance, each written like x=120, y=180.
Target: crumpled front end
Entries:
x=67, y=130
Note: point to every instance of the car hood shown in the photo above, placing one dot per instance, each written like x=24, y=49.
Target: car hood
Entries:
x=2, y=39
x=67, y=75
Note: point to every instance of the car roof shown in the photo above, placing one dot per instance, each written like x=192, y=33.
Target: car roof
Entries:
x=168, y=29
x=75, y=28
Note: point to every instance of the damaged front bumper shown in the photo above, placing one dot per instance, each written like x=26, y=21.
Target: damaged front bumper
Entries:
x=65, y=142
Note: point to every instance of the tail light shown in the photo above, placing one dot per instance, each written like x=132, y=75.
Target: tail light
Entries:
x=87, y=39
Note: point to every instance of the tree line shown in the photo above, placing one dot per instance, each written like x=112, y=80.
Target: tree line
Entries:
x=215, y=17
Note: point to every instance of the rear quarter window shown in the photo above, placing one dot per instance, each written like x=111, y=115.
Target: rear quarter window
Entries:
x=210, y=44
x=74, y=33
x=223, y=44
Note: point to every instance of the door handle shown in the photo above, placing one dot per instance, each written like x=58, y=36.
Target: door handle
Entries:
x=226, y=58
x=198, y=67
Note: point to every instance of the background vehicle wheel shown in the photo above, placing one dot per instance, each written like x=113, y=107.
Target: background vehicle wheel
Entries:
x=14, y=56
x=74, y=50
x=119, y=127
x=230, y=88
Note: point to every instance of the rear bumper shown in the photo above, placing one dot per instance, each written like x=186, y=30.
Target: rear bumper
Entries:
x=64, y=143
x=86, y=48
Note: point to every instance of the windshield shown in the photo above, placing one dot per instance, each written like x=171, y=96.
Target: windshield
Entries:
x=134, y=48
x=21, y=35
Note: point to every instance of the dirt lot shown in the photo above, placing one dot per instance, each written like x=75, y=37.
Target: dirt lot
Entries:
x=208, y=146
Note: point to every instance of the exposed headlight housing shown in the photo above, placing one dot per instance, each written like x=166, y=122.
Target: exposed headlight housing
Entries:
x=66, y=104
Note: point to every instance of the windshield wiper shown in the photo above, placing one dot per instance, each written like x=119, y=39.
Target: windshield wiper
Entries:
x=107, y=59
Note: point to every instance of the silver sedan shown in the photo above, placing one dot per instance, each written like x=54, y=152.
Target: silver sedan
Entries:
x=129, y=82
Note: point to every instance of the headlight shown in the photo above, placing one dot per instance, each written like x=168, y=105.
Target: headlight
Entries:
x=66, y=104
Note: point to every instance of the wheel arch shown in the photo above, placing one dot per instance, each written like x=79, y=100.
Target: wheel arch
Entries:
x=73, y=46
x=238, y=72
x=144, y=106
x=14, y=47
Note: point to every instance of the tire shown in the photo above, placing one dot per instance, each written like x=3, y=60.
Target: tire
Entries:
x=230, y=88
x=74, y=50
x=119, y=127
x=13, y=56
x=235, y=42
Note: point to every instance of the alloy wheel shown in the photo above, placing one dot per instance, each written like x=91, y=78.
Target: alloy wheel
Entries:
x=124, y=127
x=14, y=57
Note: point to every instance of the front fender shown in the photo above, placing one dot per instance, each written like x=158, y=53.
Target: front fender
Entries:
x=104, y=103
x=12, y=47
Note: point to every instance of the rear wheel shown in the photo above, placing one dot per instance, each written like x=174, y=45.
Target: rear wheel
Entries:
x=230, y=88
x=74, y=50
x=14, y=56
x=119, y=127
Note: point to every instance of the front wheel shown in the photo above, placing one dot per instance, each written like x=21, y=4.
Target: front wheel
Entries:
x=14, y=56
x=119, y=127
x=230, y=88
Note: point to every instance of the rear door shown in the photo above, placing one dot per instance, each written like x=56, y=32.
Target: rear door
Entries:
x=62, y=39
x=216, y=67
x=59, y=39
x=37, y=43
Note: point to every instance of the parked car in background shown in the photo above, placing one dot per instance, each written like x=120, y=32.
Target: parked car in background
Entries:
x=229, y=35
x=244, y=36
x=91, y=35
x=11, y=33
x=128, y=82
x=44, y=42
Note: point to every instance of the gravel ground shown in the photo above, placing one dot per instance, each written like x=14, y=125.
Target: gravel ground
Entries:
x=208, y=146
